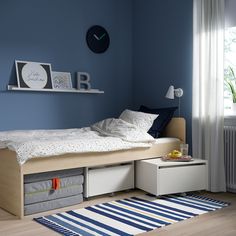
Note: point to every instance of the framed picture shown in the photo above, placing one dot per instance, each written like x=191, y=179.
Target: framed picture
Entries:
x=61, y=80
x=33, y=75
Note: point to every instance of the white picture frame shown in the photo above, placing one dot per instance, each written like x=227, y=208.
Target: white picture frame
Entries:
x=61, y=80
x=34, y=75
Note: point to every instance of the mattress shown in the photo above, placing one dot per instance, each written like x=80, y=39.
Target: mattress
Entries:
x=113, y=135
x=166, y=140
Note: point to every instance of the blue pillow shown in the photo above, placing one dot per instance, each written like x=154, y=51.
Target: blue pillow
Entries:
x=159, y=124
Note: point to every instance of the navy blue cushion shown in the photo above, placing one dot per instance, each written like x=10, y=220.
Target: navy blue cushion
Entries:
x=159, y=124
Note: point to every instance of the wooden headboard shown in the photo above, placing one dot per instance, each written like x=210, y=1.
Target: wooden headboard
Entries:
x=176, y=128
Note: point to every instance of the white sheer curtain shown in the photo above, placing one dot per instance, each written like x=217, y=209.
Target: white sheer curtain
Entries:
x=208, y=88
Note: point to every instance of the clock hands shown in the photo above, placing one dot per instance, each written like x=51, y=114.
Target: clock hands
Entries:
x=102, y=36
x=95, y=36
x=99, y=38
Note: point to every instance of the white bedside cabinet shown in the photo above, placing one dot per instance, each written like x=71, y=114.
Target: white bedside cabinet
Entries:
x=159, y=178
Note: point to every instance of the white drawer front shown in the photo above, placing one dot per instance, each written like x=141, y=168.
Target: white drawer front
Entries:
x=110, y=179
x=181, y=179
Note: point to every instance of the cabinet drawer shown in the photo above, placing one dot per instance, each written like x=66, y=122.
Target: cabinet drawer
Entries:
x=181, y=179
x=109, y=179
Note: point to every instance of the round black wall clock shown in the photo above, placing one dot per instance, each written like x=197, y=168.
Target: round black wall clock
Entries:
x=97, y=39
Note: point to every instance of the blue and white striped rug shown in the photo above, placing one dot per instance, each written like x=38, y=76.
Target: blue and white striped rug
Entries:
x=129, y=216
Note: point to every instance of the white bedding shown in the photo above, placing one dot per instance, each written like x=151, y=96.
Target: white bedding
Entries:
x=104, y=136
x=107, y=135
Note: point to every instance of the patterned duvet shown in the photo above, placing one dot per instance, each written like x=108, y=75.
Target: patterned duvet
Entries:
x=104, y=136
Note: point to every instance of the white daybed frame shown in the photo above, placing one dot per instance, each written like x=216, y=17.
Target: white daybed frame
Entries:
x=12, y=174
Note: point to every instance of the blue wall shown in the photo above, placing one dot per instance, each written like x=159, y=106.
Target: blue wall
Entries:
x=53, y=31
x=163, y=54
x=151, y=48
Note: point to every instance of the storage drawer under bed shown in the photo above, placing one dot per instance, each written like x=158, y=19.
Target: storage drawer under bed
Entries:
x=108, y=179
x=51, y=190
x=181, y=178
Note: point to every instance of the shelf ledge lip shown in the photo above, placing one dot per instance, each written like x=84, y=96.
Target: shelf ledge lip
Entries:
x=15, y=88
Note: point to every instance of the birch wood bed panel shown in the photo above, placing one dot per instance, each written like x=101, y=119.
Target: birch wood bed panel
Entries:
x=12, y=174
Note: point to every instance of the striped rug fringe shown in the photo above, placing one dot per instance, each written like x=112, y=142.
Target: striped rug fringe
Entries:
x=130, y=216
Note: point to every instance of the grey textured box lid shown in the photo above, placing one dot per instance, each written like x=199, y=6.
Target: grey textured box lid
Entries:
x=46, y=185
x=52, y=174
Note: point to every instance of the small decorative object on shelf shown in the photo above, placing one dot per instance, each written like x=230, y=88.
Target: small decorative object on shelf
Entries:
x=38, y=77
x=34, y=75
x=61, y=80
x=83, y=81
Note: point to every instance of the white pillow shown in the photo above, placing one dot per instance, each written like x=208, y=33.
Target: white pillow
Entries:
x=123, y=130
x=142, y=120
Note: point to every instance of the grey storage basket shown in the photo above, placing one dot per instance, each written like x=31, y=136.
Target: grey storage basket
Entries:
x=39, y=194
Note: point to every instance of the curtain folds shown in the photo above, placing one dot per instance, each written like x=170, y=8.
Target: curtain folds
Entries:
x=208, y=88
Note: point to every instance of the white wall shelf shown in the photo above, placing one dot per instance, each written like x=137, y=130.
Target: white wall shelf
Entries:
x=15, y=88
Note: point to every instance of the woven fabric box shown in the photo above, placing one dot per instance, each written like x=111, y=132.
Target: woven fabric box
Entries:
x=40, y=193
